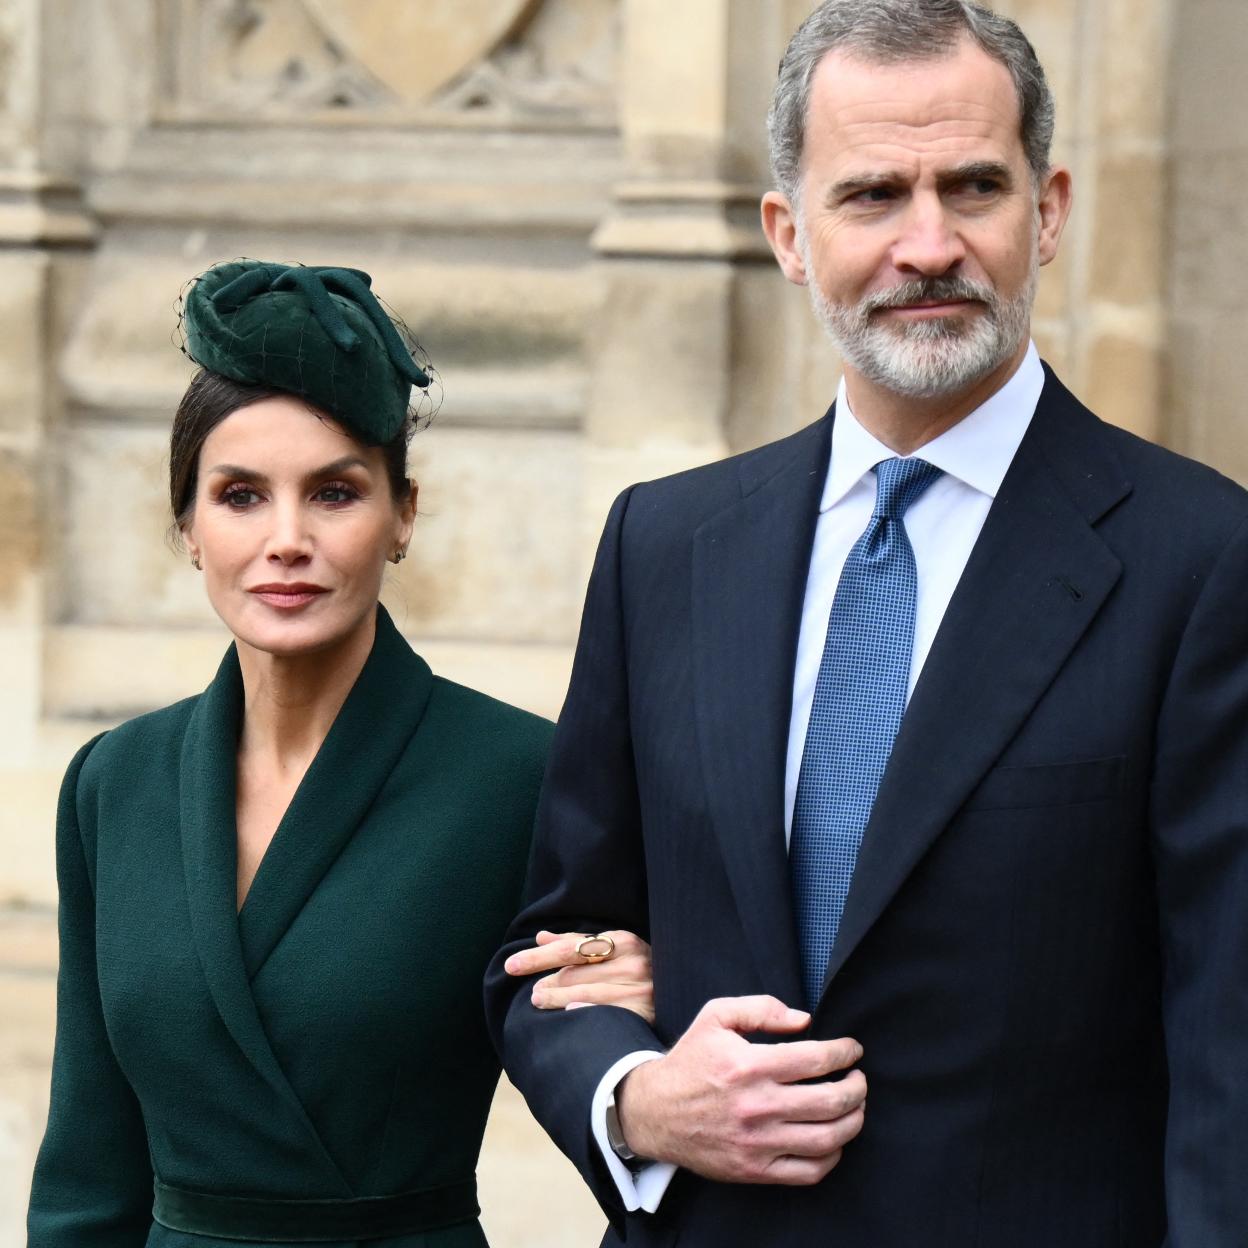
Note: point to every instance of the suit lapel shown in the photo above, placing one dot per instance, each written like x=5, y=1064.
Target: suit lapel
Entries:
x=209, y=858
x=749, y=578
x=363, y=746
x=1036, y=579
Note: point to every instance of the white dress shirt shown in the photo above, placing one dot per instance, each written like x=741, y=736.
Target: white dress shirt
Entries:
x=943, y=526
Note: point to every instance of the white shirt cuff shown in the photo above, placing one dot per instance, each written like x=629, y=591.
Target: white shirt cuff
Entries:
x=643, y=1187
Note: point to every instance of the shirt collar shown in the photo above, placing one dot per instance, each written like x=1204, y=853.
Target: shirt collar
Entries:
x=978, y=450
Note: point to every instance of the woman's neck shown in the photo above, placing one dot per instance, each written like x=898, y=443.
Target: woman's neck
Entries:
x=291, y=701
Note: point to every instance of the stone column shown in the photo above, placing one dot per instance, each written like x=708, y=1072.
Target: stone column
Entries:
x=1100, y=316
x=43, y=233
x=680, y=241
x=1208, y=253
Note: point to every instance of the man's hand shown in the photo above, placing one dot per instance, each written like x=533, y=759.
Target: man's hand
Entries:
x=624, y=979
x=738, y=1112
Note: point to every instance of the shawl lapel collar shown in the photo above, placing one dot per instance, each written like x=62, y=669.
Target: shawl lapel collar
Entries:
x=371, y=731
x=750, y=564
x=210, y=864
x=374, y=727
x=1035, y=581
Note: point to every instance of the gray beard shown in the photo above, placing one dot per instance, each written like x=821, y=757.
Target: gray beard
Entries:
x=928, y=359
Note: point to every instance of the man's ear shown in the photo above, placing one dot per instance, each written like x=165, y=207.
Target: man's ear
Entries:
x=1053, y=210
x=780, y=226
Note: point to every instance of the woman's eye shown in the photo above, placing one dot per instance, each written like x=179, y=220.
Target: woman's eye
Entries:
x=240, y=497
x=336, y=494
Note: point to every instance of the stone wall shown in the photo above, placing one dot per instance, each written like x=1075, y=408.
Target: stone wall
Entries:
x=560, y=197
x=1206, y=257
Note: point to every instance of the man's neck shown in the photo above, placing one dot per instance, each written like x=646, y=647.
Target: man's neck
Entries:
x=905, y=424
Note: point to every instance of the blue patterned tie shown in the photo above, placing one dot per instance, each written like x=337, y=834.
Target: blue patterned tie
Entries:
x=860, y=695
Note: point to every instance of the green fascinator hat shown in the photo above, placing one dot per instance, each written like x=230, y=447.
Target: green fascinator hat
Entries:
x=318, y=333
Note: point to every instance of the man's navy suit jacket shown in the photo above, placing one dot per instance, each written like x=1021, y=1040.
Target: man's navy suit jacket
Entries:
x=1045, y=947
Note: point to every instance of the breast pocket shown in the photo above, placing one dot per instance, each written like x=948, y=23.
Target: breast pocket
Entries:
x=1050, y=784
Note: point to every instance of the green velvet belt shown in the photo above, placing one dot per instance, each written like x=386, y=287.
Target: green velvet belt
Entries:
x=315, y=1221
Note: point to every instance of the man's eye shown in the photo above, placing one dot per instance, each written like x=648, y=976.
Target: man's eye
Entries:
x=985, y=186
x=875, y=195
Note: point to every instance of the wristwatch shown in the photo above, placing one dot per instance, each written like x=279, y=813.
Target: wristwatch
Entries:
x=615, y=1136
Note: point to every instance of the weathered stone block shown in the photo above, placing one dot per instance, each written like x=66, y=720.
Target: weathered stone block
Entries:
x=661, y=362
x=1133, y=46
x=1053, y=26
x=1207, y=66
x=1224, y=443
x=1052, y=339
x=1124, y=383
x=1209, y=245
x=762, y=402
x=518, y=323
x=116, y=566
x=1127, y=249
x=20, y=527
x=494, y=552
x=23, y=359
x=1053, y=292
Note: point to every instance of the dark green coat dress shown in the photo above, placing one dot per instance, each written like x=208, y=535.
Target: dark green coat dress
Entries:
x=327, y=1043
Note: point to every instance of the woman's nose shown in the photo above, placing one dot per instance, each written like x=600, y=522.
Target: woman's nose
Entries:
x=289, y=539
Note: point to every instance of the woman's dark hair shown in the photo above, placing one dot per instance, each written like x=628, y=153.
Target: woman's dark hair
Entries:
x=208, y=400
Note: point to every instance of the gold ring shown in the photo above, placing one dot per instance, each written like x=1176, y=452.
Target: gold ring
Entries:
x=600, y=939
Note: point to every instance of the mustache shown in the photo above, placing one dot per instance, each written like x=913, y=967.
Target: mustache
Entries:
x=929, y=290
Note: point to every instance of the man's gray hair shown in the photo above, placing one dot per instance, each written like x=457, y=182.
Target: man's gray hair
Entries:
x=890, y=32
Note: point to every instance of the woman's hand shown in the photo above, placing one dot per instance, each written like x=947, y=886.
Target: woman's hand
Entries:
x=624, y=978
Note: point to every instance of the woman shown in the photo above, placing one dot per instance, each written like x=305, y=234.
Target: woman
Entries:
x=278, y=898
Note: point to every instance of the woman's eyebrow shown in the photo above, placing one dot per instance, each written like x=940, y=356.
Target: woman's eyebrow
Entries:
x=336, y=466
x=235, y=470
x=326, y=470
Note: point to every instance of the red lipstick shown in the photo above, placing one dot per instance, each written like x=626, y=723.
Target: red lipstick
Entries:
x=288, y=596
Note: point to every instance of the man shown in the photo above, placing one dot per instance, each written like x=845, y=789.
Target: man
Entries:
x=927, y=726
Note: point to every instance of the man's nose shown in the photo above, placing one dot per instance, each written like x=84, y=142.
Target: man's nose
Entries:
x=930, y=244
x=289, y=539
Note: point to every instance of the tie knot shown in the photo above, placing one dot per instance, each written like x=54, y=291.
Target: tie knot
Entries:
x=901, y=482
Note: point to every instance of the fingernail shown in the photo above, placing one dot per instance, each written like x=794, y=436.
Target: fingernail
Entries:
x=510, y=965
x=797, y=1016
